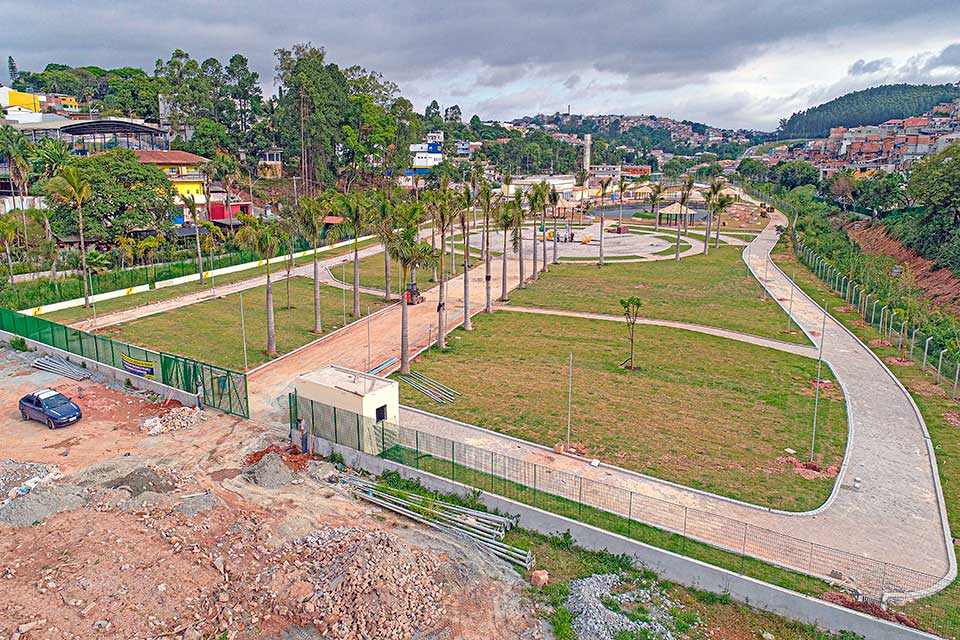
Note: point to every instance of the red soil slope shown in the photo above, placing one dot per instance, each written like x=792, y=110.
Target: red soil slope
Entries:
x=941, y=286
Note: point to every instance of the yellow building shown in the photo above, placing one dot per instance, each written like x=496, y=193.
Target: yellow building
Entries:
x=13, y=98
x=183, y=169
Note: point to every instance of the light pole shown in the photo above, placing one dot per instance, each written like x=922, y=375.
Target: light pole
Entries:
x=569, y=399
x=343, y=280
x=816, y=400
x=790, y=310
x=243, y=331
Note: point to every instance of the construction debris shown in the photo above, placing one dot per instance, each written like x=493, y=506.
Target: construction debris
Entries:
x=289, y=454
x=173, y=420
x=61, y=367
x=268, y=472
x=486, y=530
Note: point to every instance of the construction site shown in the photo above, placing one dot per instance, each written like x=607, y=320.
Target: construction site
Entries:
x=323, y=493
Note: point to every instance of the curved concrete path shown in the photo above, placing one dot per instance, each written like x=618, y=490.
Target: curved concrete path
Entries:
x=780, y=345
x=883, y=529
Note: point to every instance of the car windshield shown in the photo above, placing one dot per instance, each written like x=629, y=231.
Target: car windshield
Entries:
x=55, y=401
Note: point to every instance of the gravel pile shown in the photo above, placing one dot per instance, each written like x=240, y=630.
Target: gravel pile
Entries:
x=603, y=605
x=270, y=472
x=41, y=503
x=14, y=475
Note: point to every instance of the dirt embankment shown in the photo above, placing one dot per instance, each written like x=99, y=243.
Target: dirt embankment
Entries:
x=941, y=286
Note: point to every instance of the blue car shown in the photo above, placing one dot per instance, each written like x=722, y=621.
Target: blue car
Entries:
x=49, y=407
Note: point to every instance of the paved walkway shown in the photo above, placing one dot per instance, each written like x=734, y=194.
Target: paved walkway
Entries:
x=886, y=506
x=780, y=345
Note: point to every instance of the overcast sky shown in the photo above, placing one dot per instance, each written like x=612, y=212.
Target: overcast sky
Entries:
x=732, y=63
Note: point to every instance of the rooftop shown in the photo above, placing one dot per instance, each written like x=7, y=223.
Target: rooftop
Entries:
x=355, y=382
x=156, y=156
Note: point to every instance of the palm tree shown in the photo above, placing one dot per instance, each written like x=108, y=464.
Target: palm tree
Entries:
x=684, y=198
x=289, y=227
x=405, y=247
x=604, y=185
x=688, y=187
x=720, y=206
x=544, y=201
x=190, y=204
x=489, y=204
x=8, y=235
x=655, y=196
x=533, y=201
x=507, y=219
x=18, y=151
x=466, y=205
x=262, y=239
x=147, y=249
x=49, y=249
x=72, y=189
x=125, y=246
x=554, y=201
x=49, y=157
x=353, y=209
x=311, y=216
x=443, y=212
x=382, y=222
x=519, y=218
x=716, y=185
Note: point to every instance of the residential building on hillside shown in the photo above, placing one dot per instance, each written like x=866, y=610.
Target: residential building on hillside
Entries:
x=427, y=154
x=183, y=169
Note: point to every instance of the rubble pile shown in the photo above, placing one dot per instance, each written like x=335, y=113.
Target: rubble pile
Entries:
x=173, y=420
x=605, y=606
x=290, y=454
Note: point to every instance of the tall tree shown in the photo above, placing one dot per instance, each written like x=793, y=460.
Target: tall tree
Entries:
x=720, y=206
x=507, y=220
x=466, y=204
x=190, y=204
x=405, y=247
x=353, y=209
x=713, y=192
x=311, y=215
x=73, y=190
x=262, y=239
x=489, y=204
x=443, y=210
x=684, y=211
x=49, y=157
x=8, y=236
x=655, y=196
x=631, y=313
x=554, y=201
x=17, y=150
x=604, y=185
x=382, y=222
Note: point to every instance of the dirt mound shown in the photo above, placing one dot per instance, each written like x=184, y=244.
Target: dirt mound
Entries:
x=269, y=472
x=870, y=608
x=142, y=479
x=901, y=361
x=14, y=475
x=880, y=343
x=809, y=470
x=173, y=420
x=941, y=286
x=952, y=418
x=41, y=503
x=290, y=454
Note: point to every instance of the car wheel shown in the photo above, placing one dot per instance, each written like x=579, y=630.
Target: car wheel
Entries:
x=23, y=415
x=50, y=424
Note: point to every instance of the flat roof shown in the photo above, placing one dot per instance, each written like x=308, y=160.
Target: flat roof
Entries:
x=349, y=380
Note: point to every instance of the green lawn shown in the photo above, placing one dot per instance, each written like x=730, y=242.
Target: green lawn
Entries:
x=372, y=272
x=714, y=290
x=75, y=314
x=210, y=331
x=703, y=411
x=940, y=612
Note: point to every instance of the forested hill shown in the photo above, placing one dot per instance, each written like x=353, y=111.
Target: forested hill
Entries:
x=870, y=106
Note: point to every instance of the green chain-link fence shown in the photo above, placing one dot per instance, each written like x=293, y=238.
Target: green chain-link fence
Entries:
x=222, y=388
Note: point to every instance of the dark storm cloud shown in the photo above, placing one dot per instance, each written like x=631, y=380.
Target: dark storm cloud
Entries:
x=436, y=48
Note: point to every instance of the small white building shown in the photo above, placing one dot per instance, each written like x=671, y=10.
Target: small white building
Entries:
x=563, y=183
x=367, y=395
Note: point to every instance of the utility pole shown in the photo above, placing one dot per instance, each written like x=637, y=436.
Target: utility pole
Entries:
x=296, y=196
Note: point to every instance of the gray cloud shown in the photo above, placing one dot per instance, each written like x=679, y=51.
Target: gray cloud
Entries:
x=861, y=67
x=465, y=52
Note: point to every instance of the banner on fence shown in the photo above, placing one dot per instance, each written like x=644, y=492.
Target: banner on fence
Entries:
x=142, y=368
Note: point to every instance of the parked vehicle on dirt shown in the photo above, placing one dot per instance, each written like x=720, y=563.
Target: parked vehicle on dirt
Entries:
x=49, y=407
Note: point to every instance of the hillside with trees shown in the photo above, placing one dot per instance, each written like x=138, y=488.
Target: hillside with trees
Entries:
x=870, y=106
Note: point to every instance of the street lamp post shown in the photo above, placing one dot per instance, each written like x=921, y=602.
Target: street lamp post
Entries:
x=569, y=399
x=816, y=400
x=243, y=331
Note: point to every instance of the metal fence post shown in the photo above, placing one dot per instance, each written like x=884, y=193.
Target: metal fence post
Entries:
x=903, y=330
x=926, y=347
x=873, y=312
x=939, y=365
x=453, y=464
x=629, y=512
x=913, y=342
x=580, y=495
x=534, y=485
x=416, y=435
x=956, y=378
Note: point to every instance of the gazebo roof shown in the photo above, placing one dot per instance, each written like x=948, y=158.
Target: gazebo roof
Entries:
x=676, y=208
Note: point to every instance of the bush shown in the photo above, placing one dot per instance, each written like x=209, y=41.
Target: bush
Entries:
x=19, y=344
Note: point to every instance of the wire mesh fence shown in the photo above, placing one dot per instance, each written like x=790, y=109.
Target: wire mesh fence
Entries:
x=721, y=541
x=222, y=388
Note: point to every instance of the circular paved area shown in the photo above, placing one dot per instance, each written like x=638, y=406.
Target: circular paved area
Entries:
x=626, y=244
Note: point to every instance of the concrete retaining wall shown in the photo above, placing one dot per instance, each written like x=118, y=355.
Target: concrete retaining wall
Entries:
x=119, y=375
x=671, y=566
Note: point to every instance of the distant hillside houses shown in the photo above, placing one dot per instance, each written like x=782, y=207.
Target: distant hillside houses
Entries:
x=894, y=145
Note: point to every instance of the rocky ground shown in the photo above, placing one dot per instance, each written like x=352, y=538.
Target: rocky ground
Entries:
x=116, y=533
